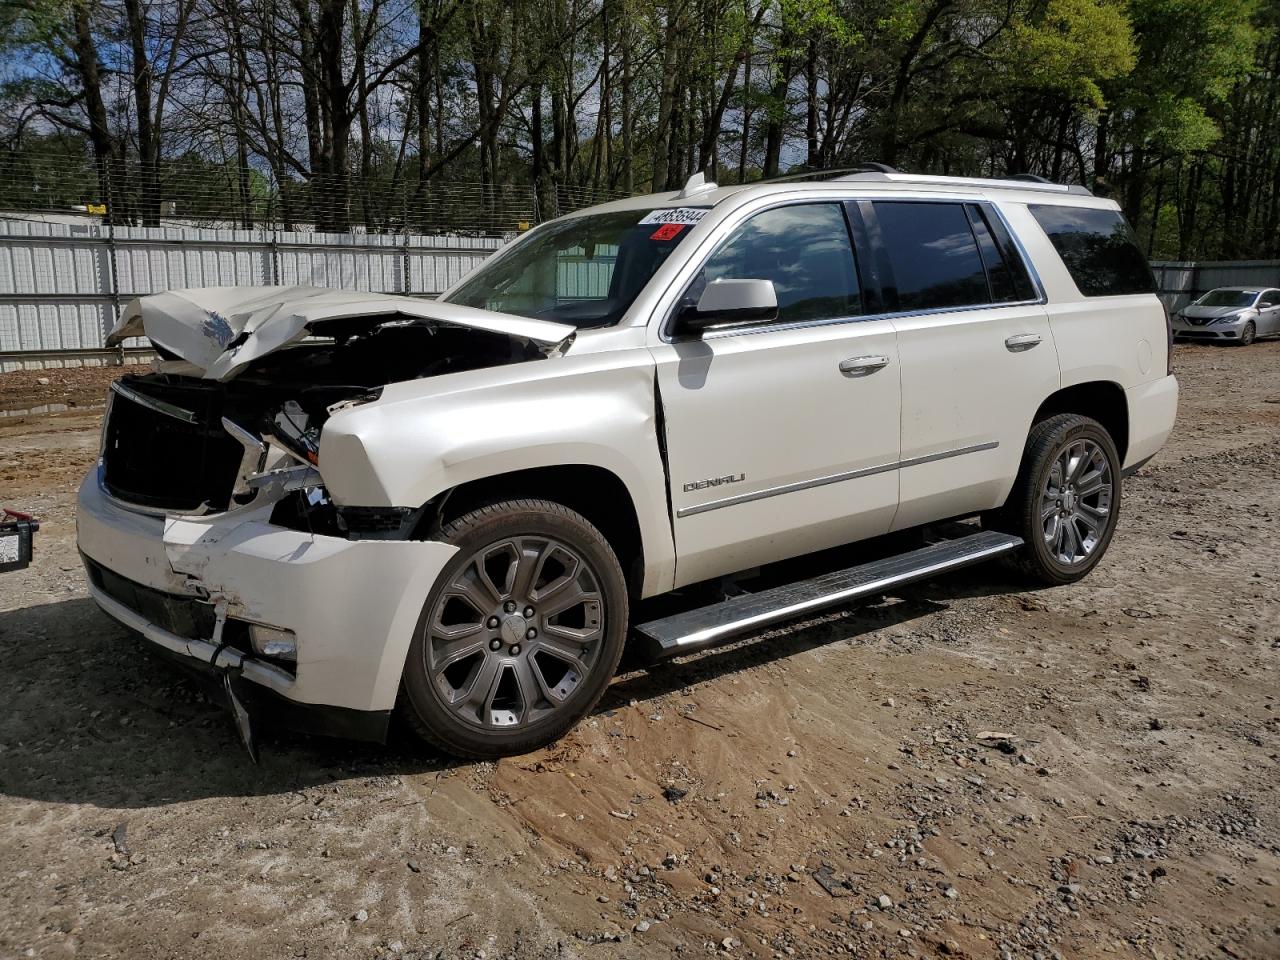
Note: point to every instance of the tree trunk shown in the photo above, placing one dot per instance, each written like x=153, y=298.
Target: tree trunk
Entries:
x=666, y=101
x=774, y=128
x=1101, y=155
x=148, y=141
x=334, y=206
x=628, y=159
x=811, y=105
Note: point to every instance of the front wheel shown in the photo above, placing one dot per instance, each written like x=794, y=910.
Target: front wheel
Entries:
x=521, y=633
x=1248, y=334
x=1066, y=500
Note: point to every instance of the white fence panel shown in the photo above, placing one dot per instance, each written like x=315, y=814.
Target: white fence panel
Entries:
x=62, y=285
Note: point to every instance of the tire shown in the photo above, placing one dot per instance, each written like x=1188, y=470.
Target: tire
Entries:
x=485, y=680
x=1059, y=442
x=1248, y=334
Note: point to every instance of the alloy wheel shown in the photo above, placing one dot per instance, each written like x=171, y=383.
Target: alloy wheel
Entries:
x=516, y=632
x=1075, y=502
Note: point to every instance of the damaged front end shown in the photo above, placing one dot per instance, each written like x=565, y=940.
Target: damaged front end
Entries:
x=207, y=527
x=232, y=414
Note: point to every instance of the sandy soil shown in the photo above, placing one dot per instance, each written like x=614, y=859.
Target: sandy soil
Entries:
x=823, y=791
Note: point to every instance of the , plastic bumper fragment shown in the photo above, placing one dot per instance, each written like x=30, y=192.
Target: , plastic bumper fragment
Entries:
x=351, y=605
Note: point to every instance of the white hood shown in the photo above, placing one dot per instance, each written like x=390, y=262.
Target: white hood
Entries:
x=221, y=330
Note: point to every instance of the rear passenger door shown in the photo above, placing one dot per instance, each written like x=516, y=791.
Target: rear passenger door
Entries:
x=975, y=346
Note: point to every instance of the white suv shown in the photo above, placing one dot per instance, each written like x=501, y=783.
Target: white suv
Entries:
x=351, y=504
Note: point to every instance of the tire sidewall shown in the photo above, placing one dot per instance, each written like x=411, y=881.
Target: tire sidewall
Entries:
x=1249, y=334
x=1084, y=429
x=505, y=520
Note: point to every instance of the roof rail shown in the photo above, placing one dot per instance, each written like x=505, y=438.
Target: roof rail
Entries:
x=833, y=174
x=1025, y=181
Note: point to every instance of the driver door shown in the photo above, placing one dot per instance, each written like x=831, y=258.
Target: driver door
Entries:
x=782, y=437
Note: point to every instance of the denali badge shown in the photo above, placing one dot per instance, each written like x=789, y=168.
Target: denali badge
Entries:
x=714, y=482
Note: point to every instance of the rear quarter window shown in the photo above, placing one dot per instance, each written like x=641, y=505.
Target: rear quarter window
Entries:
x=1098, y=249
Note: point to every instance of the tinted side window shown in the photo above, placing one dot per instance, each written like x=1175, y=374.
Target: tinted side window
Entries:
x=1006, y=273
x=1098, y=248
x=805, y=250
x=933, y=255
x=1023, y=288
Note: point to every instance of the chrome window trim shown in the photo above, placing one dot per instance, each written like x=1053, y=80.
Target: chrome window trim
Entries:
x=832, y=478
x=664, y=327
x=158, y=406
x=1027, y=262
x=1041, y=299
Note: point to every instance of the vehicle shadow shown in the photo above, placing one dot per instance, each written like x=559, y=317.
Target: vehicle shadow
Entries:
x=857, y=623
x=93, y=716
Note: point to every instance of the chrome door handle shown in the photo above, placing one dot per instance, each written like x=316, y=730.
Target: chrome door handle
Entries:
x=1021, y=341
x=861, y=366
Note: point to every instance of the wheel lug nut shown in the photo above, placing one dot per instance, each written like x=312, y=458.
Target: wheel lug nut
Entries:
x=531, y=634
x=495, y=644
x=509, y=607
x=515, y=649
x=493, y=623
x=528, y=612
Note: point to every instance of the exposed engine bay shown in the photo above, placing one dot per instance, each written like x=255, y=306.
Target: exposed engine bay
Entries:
x=176, y=442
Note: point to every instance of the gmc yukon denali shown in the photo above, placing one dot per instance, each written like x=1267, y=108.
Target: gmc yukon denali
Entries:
x=358, y=506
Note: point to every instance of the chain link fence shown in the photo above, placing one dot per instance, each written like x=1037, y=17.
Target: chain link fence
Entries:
x=78, y=241
x=195, y=193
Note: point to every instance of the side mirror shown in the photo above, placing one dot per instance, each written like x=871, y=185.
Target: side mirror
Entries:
x=727, y=302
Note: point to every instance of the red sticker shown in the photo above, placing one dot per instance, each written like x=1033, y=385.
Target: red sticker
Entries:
x=668, y=231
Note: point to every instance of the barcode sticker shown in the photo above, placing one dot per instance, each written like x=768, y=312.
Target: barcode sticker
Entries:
x=9, y=548
x=676, y=215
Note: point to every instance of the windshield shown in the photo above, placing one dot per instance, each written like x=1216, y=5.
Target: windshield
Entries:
x=1228, y=298
x=585, y=270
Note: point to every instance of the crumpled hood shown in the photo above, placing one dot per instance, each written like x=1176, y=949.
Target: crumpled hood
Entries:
x=221, y=330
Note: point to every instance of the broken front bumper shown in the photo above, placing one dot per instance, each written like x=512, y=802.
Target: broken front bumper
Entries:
x=180, y=581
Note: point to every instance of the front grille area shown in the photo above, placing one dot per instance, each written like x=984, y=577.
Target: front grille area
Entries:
x=157, y=460
x=186, y=617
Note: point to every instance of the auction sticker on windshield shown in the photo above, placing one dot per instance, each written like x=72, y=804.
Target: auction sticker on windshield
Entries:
x=676, y=215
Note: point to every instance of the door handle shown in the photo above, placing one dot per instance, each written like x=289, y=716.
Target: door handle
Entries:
x=861, y=366
x=1021, y=341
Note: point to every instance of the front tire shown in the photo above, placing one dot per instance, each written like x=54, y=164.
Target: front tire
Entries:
x=1065, y=503
x=1248, y=334
x=521, y=633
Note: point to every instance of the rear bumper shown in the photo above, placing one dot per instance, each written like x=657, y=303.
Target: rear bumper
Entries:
x=1153, y=409
x=353, y=605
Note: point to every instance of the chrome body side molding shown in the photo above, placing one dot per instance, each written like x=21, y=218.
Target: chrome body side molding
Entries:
x=832, y=478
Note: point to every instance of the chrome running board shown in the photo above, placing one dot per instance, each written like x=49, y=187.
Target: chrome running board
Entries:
x=718, y=622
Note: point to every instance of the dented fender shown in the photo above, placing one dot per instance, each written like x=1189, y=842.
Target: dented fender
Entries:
x=424, y=437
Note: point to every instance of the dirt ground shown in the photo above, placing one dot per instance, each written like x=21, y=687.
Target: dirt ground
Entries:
x=822, y=791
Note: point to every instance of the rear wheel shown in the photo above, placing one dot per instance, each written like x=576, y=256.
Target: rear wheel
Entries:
x=1065, y=502
x=520, y=635
x=1248, y=334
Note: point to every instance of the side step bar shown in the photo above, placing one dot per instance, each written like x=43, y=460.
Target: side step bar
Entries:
x=707, y=626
